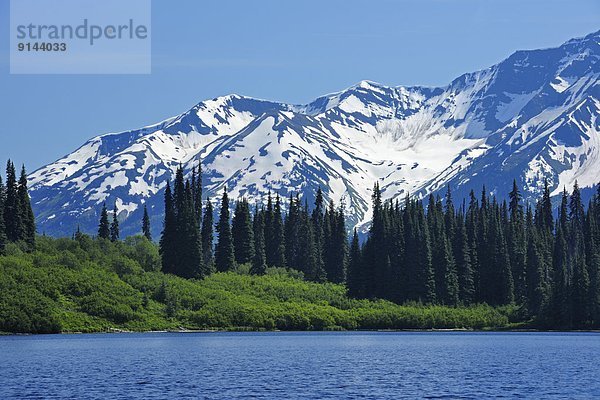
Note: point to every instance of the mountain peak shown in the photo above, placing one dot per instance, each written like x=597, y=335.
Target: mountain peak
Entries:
x=531, y=117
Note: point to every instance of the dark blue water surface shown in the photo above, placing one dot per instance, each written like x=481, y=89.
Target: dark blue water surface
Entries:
x=314, y=365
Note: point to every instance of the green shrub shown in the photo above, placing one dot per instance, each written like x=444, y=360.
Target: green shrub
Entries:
x=90, y=285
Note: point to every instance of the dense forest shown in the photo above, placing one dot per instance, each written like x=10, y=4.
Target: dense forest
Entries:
x=478, y=251
x=475, y=264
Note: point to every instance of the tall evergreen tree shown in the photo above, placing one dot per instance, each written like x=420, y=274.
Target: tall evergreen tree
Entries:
x=26, y=218
x=580, y=276
x=317, y=225
x=536, y=292
x=146, y=230
x=560, y=308
x=197, y=193
x=191, y=263
x=224, y=253
x=12, y=213
x=466, y=278
x=307, y=262
x=278, y=256
x=339, y=246
x=292, y=232
x=114, y=226
x=2, y=224
x=243, y=233
x=207, y=236
x=104, y=225
x=377, y=255
x=355, y=280
x=168, y=248
x=259, y=262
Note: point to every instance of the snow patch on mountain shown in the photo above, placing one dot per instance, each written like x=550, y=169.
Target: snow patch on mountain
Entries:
x=533, y=116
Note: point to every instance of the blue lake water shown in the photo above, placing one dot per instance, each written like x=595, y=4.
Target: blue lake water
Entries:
x=347, y=365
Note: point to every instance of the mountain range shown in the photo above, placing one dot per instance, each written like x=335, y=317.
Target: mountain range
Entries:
x=531, y=117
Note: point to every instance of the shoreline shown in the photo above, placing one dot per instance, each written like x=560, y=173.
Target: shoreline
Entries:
x=246, y=330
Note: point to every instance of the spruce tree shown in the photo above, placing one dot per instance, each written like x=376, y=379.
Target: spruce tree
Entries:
x=560, y=309
x=224, y=253
x=317, y=227
x=104, y=225
x=26, y=218
x=146, y=230
x=580, y=275
x=270, y=245
x=12, y=213
x=2, y=224
x=517, y=242
x=190, y=263
x=278, y=235
x=340, y=245
x=355, y=280
x=168, y=239
x=503, y=279
x=378, y=256
x=592, y=261
x=292, y=233
x=308, y=261
x=114, y=226
x=243, y=233
x=197, y=193
x=207, y=236
x=536, y=293
x=427, y=289
x=545, y=219
x=259, y=262
x=466, y=278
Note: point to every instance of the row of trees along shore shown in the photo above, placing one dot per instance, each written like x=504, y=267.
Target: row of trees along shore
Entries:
x=17, y=223
x=478, y=251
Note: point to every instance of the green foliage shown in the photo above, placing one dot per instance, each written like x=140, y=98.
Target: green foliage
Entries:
x=224, y=253
x=91, y=285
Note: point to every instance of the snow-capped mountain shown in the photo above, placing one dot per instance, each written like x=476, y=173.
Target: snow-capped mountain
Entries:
x=534, y=115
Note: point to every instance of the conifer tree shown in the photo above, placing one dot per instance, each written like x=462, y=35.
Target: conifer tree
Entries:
x=427, y=290
x=197, y=193
x=207, y=236
x=146, y=231
x=168, y=248
x=243, y=233
x=338, y=246
x=104, y=225
x=517, y=242
x=2, y=224
x=317, y=225
x=190, y=262
x=377, y=254
x=224, y=253
x=259, y=262
x=503, y=292
x=560, y=310
x=536, y=293
x=464, y=265
x=12, y=213
x=307, y=262
x=292, y=232
x=26, y=218
x=592, y=257
x=270, y=245
x=355, y=280
x=278, y=256
x=580, y=276
x=114, y=226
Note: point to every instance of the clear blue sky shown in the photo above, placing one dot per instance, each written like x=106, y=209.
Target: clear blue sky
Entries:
x=292, y=51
